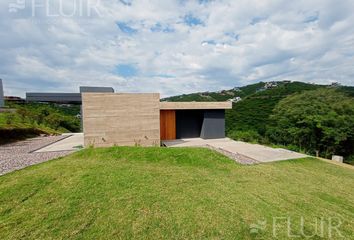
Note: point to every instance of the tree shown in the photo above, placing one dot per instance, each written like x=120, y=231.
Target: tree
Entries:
x=315, y=120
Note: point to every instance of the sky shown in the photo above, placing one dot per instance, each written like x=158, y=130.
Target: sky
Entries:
x=173, y=47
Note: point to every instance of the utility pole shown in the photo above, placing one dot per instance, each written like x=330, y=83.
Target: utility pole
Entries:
x=1, y=95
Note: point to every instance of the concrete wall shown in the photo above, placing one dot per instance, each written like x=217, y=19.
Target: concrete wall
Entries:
x=121, y=119
x=213, y=124
x=1, y=95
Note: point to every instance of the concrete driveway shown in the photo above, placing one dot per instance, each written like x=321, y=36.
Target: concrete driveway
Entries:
x=72, y=142
x=245, y=153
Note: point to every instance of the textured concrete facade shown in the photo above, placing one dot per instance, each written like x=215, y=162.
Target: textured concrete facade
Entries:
x=121, y=119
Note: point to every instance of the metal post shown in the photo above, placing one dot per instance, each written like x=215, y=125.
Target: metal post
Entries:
x=1, y=95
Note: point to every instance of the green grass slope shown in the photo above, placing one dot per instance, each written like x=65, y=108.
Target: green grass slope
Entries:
x=32, y=119
x=161, y=193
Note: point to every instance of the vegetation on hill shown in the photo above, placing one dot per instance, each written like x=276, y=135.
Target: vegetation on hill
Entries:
x=250, y=119
x=173, y=193
x=217, y=96
x=320, y=120
x=32, y=119
x=252, y=113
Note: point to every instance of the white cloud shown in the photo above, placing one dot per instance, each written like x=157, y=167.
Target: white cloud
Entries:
x=232, y=43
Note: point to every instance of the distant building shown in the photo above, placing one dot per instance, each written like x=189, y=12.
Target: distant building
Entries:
x=270, y=85
x=235, y=99
x=68, y=98
x=14, y=99
x=335, y=84
x=236, y=89
x=1, y=95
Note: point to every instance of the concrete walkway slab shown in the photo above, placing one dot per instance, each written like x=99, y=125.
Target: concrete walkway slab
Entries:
x=73, y=142
x=242, y=152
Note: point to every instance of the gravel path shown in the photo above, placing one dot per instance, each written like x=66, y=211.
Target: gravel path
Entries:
x=242, y=159
x=21, y=154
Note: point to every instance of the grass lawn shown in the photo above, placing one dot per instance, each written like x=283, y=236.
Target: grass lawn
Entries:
x=160, y=193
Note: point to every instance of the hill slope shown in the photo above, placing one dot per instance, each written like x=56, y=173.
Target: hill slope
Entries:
x=32, y=119
x=257, y=102
x=217, y=96
x=252, y=113
x=167, y=193
x=250, y=118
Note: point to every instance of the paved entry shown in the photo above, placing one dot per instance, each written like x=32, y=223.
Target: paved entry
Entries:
x=244, y=153
x=71, y=142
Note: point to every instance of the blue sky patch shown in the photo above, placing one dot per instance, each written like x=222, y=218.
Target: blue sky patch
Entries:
x=126, y=2
x=126, y=70
x=158, y=27
x=233, y=35
x=204, y=1
x=256, y=20
x=209, y=42
x=163, y=75
x=124, y=27
x=312, y=18
x=191, y=20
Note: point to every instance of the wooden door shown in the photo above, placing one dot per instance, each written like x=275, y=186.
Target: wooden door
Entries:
x=168, y=124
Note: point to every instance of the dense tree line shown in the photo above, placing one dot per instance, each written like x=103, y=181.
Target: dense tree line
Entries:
x=315, y=120
x=321, y=120
x=60, y=118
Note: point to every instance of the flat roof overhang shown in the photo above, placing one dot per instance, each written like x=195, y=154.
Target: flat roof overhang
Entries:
x=195, y=105
x=54, y=97
x=65, y=97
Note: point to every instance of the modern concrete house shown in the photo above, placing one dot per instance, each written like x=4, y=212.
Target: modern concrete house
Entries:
x=2, y=104
x=127, y=119
x=70, y=98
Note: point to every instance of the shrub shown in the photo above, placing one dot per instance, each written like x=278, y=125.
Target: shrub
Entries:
x=246, y=136
x=349, y=159
x=9, y=118
x=315, y=120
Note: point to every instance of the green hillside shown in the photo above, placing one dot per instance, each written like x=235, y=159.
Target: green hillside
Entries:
x=223, y=95
x=253, y=111
x=250, y=118
x=32, y=119
x=174, y=193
